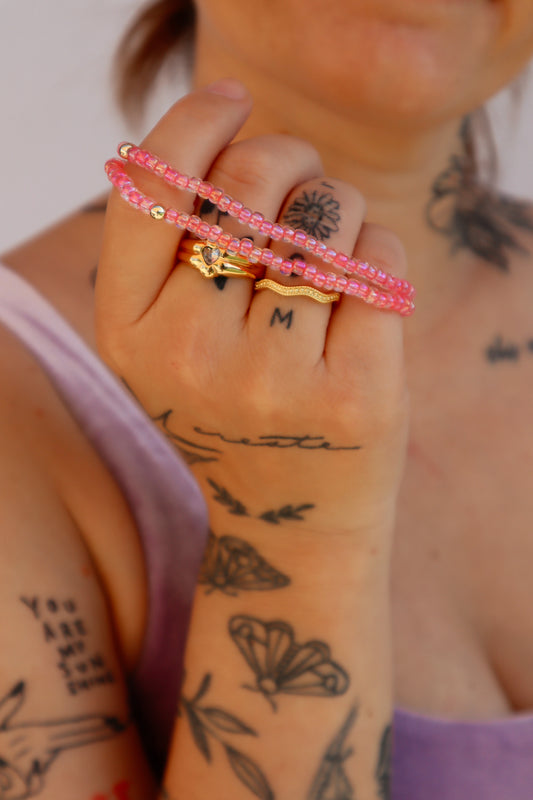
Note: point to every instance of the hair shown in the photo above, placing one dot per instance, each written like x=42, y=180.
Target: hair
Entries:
x=165, y=28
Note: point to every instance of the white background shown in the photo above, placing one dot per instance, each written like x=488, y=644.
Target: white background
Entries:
x=59, y=123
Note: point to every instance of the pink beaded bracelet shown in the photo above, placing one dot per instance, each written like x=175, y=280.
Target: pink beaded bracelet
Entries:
x=395, y=294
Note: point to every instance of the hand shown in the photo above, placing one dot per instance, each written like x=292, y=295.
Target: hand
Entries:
x=279, y=401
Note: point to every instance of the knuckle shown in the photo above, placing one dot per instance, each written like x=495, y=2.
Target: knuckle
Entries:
x=383, y=248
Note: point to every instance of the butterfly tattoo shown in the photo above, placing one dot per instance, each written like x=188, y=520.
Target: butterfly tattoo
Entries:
x=281, y=666
x=232, y=565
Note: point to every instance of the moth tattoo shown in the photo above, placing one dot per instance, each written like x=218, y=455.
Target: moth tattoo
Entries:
x=231, y=565
x=281, y=666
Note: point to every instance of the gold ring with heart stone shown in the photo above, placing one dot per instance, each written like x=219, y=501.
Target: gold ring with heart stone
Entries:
x=213, y=261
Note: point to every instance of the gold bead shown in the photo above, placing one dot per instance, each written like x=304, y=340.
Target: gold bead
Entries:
x=124, y=150
x=157, y=212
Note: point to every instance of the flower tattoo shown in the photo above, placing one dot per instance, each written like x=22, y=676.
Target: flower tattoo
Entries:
x=316, y=213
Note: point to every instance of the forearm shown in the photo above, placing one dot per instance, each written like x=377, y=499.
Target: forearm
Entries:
x=296, y=644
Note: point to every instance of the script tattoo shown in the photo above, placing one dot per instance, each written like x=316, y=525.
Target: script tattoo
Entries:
x=316, y=213
x=28, y=749
x=272, y=516
x=283, y=318
x=474, y=216
x=192, y=452
x=231, y=565
x=281, y=666
x=331, y=781
x=209, y=723
x=305, y=442
x=499, y=350
x=66, y=632
x=383, y=765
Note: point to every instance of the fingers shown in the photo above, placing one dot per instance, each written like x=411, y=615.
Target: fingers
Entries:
x=331, y=211
x=138, y=252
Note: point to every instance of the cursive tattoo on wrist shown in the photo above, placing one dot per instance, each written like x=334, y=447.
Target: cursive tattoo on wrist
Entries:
x=305, y=442
x=281, y=665
x=331, y=781
x=231, y=565
x=209, y=723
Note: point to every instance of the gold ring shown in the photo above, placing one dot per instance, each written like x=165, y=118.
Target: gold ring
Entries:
x=212, y=261
x=290, y=291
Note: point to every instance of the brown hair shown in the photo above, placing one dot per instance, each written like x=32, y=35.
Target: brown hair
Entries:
x=160, y=29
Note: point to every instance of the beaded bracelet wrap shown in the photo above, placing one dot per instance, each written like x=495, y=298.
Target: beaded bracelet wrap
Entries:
x=387, y=293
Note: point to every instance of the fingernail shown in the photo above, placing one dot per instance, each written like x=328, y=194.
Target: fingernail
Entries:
x=228, y=87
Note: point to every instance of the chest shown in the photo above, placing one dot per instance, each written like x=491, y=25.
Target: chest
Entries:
x=462, y=593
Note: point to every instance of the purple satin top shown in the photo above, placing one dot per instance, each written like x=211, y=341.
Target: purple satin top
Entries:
x=433, y=759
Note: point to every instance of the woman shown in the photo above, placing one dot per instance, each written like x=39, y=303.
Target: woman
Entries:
x=356, y=565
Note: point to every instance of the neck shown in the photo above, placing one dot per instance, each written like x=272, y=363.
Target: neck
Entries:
x=400, y=173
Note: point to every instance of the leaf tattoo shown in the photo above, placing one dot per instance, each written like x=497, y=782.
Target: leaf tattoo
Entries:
x=286, y=512
x=331, y=781
x=280, y=665
x=206, y=721
x=383, y=765
x=231, y=565
x=223, y=497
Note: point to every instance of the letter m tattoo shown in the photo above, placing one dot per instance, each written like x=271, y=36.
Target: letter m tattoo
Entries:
x=278, y=316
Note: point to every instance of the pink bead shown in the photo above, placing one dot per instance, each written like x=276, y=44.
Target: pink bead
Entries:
x=320, y=279
x=135, y=197
x=300, y=238
x=381, y=277
x=363, y=290
x=224, y=202
x=255, y=255
x=277, y=261
x=151, y=162
x=319, y=249
x=233, y=246
x=391, y=283
x=214, y=232
x=171, y=175
x=266, y=257
x=203, y=230
x=146, y=203
x=341, y=259
x=286, y=267
x=266, y=227
x=246, y=246
x=309, y=271
x=353, y=287
x=140, y=157
x=193, y=223
x=234, y=208
x=256, y=220
x=245, y=214
x=360, y=267
x=371, y=272
x=277, y=232
x=182, y=181
x=215, y=195
x=182, y=220
x=160, y=169
x=310, y=244
x=331, y=280
x=298, y=266
x=288, y=235
x=171, y=215
x=205, y=188
x=193, y=185
x=340, y=283
x=329, y=255
x=224, y=239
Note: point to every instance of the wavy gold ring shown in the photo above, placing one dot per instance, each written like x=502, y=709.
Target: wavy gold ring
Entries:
x=291, y=291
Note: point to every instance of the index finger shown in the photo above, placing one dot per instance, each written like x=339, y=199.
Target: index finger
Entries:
x=138, y=253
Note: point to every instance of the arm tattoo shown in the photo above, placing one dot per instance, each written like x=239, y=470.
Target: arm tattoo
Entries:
x=384, y=764
x=28, y=749
x=185, y=446
x=66, y=632
x=331, y=781
x=305, y=442
x=232, y=565
x=281, y=666
x=272, y=516
x=474, y=216
x=209, y=723
x=316, y=213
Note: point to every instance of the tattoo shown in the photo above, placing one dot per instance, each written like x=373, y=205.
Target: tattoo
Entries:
x=66, y=631
x=383, y=765
x=183, y=445
x=207, y=208
x=220, y=281
x=28, y=749
x=316, y=213
x=474, y=216
x=285, y=512
x=508, y=351
x=283, y=442
x=273, y=516
x=211, y=721
x=278, y=315
x=331, y=781
x=120, y=791
x=280, y=665
x=232, y=565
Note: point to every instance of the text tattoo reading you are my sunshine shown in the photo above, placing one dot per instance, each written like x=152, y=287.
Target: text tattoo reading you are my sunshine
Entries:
x=66, y=632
